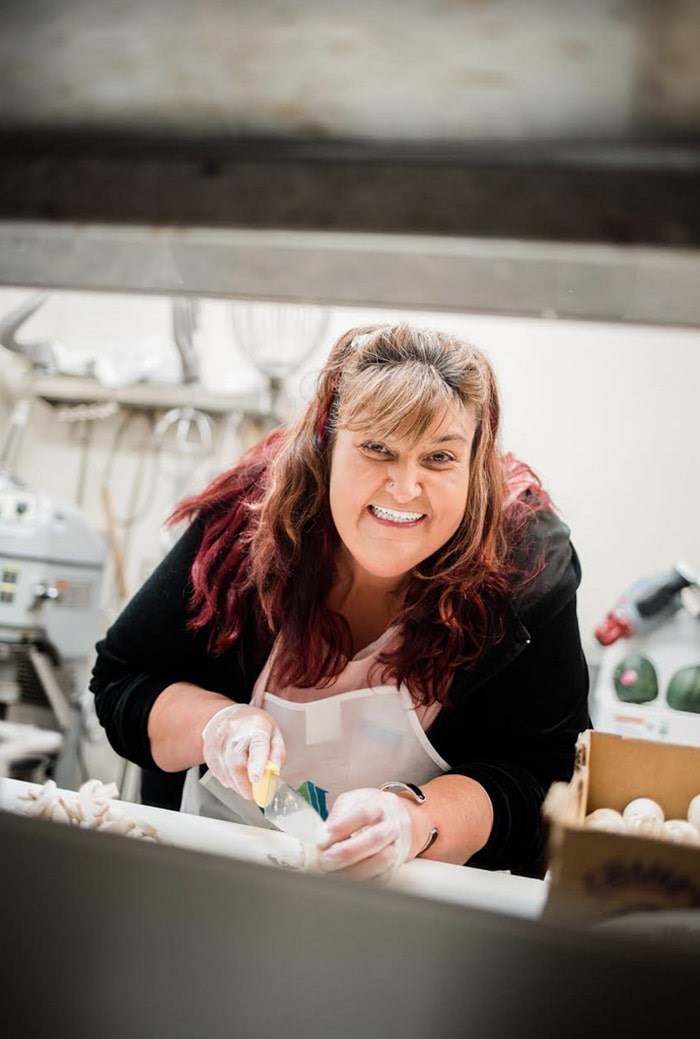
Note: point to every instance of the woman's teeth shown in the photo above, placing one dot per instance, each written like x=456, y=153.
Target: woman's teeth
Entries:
x=394, y=516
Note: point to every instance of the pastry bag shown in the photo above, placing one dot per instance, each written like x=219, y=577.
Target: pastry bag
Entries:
x=285, y=808
x=281, y=805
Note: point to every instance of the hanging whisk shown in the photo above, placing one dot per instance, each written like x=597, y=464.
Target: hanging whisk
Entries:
x=278, y=338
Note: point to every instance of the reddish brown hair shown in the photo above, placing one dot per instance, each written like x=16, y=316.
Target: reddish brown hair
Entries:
x=269, y=544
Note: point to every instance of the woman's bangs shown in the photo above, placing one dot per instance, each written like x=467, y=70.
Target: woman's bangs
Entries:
x=401, y=401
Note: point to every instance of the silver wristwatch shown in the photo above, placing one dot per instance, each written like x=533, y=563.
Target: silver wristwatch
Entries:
x=396, y=786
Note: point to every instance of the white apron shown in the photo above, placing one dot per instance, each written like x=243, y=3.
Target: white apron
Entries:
x=365, y=737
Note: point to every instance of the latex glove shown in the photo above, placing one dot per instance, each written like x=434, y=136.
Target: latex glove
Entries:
x=237, y=743
x=369, y=834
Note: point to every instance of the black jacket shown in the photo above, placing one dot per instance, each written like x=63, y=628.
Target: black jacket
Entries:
x=512, y=720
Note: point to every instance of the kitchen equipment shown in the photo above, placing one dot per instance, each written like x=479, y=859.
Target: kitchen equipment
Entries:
x=26, y=744
x=647, y=604
x=648, y=685
x=51, y=569
x=278, y=338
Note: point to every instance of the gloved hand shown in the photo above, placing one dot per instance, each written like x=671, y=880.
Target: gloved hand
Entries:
x=369, y=834
x=237, y=743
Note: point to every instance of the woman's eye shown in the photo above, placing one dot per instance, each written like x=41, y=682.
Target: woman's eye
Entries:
x=440, y=458
x=374, y=448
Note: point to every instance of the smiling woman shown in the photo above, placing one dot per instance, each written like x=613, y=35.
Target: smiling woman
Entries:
x=380, y=602
x=396, y=503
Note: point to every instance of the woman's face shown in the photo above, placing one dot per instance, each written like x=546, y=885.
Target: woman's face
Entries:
x=395, y=503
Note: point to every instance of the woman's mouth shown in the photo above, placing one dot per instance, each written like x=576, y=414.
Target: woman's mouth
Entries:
x=397, y=516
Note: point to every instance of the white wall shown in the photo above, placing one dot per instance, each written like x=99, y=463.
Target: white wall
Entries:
x=607, y=414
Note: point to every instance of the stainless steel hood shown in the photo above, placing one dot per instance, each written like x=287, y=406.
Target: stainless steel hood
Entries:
x=515, y=156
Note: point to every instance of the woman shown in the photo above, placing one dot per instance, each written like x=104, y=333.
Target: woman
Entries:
x=387, y=600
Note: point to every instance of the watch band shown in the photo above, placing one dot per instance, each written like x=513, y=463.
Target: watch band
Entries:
x=398, y=787
x=432, y=837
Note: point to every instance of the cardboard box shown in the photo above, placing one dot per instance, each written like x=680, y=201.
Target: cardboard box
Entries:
x=596, y=874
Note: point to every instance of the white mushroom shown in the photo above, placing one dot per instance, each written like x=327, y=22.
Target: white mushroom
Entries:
x=34, y=806
x=94, y=797
x=90, y=808
x=57, y=812
x=72, y=806
x=694, y=812
x=41, y=803
x=646, y=826
x=117, y=825
x=642, y=809
x=680, y=831
x=605, y=819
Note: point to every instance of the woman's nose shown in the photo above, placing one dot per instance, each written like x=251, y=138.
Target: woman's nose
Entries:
x=403, y=483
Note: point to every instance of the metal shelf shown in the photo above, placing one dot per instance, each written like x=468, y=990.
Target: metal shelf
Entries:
x=71, y=390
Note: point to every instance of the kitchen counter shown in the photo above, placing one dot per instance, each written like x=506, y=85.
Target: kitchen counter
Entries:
x=461, y=885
